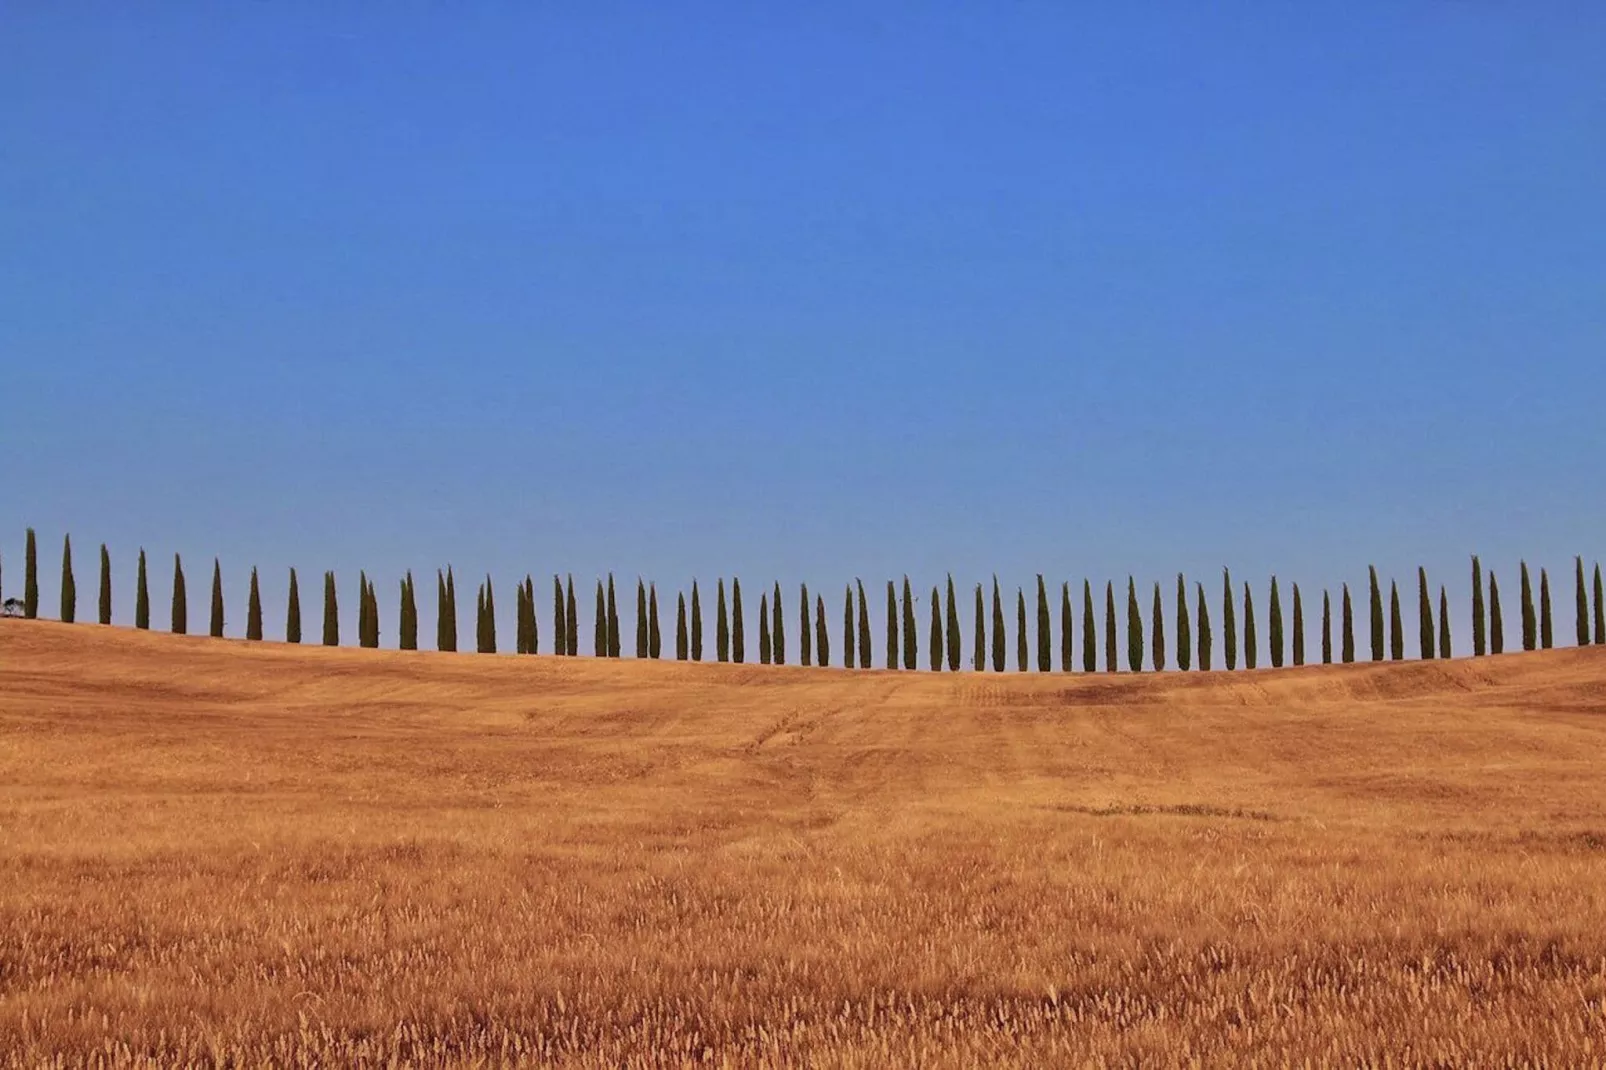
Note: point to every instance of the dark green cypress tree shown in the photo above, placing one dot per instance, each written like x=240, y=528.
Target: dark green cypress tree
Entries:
x=534, y=623
x=777, y=629
x=1299, y=629
x=1251, y=647
x=1327, y=628
x=69, y=586
x=490, y=617
x=479, y=620
x=1479, y=635
x=30, y=578
x=1157, y=632
x=1600, y=609
x=560, y=618
x=442, y=613
x=1545, y=635
x=936, y=631
x=1229, y=621
x=292, y=613
x=738, y=640
x=331, y=612
x=642, y=640
x=1274, y=626
x=599, y=631
x=1206, y=640
x=765, y=650
x=1347, y=638
x=142, y=596
x=998, y=627
x=1020, y=630
x=682, y=640
x=181, y=602
x=1396, y=629
x=362, y=609
x=1444, y=624
x=571, y=613
x=1110, y=646
x=1424, y=616
x=1090, y=630
x=613, y=620
x=892, y=625
x=1497, y=625
x=978, y=658
x=722, y=631
x=1583, y=605
x=451, y=610
x=654, y=636
x=864, y=628
x=373, y=616
x=409, y=613
x=954, y=637
x=910, y=635
x=1067, y=623
x=847, y=627
x=822, y=634
x=1134, y=628
x=696, y=623
x=105, y=585
x=1184, y=627
x=253, y=610
x=805, y=641
x=1376, y=613
x=1045, y=636
x=1530, y=630
x=217, y=600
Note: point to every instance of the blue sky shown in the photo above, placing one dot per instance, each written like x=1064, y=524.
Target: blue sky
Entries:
x=804, y=292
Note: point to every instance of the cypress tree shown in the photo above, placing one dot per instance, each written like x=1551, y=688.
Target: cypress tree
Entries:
x=738, y=641
x=1206, y=641
x=535, y=624
x=1377, y=614
x=1184, y=631
x=69, y=586
x=1274, y=626
x=371, y=596
x=1251, y=647
x=105, y=585
x=1090, y=630
x=409, y=614
x=978, y=658
x=764, y=650
x=572, y=613
x=217, y=600
x=599, y=631
x=822, y=635
x=1424, y=615
x=490, y=617
x=1020, y=630
x=682, y=640
x=936, y=631
x=1600, y=610
x=142, y=596
x=722, y=631
x=1444, y=624
x=1045, y=636
x=954, y=637
x=292, y=613
x=1497, y=626
x=696, y=623
x=451, y=610
x=1327, y=628
x=1067, y=623
x=847, y=627
x=331, y=612
x=479, y=620
x=1396, y=629
x=1583, y=605
x=1157, y=638
x=560, y=618
x=1479, y=643
x=1545, y=635
x=253, y=610
x=1347, y=639
x=1229, y=621
x=864, y=628
x=998, y=628
x=777, y=629
x=642, y=640
x=1530, y=632
x=1299, y=629
x=613, y=620
x=181, y=608
x=892, y=625
x=1134, y=629
x=30, y=581
x=654, y=637
x=441, y=612
x=805, y=644
x=362, y=609
x=910, y=635
x=1110, y=656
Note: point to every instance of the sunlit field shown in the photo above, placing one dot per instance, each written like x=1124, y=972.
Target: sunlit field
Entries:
x=215, y=851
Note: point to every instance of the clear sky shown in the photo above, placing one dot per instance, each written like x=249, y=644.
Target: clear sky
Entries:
x=802, y=291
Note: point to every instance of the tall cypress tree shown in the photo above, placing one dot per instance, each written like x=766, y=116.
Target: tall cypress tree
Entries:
x=331, y=612
x=142, y=596
x=892, y=625
x=490, y=617
x=910, y=635
x=599, y=631
x=1229, y=621
x=560, y=618
x=362, y=609
x=1067, y=623
x=572, y=612
x=738, y=640
x=1347, y=639
x=998, y=628
x=696, y=623
x=479, y=620
x=763, y=628
x=1020, y=630
x=1327, y=628
x=1111, y=658
x=1206, y=641
x=1444, y=624
x=1251, y=647
x=451, y=610
x=1299, y=629
x=1376, y=614
x=253, y=610
x=654, y=637
x=848, y=660
x=292, y=613
x=1497, y=624
x=1600, y=609
x=613, y=620
x=822, y=634
x=864, y=628
x=777, y=629
x=409, y=613
x=1184, y=630
x=1424, y=615
x=442, y=613
x=936, y=631
x=682, y=640
x=805, y=645
x=1045, y=637
x=30, y=580
x=1157, y=632
x=69, y=586
x=1396, y=629
x=535, y=624
x=1479, y=639
x=105, y=585
x=181, y=606
x=954, y=637
x=722, y=629
x=1134, y=628
x=1583, y=605
x=641, y=619
x=217, y=600
x=1274, y=626
x=1545, y=635
x=1530, y=629
x=1090, y=630
x=978, y=659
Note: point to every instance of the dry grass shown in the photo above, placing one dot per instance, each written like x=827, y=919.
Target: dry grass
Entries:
x=256, y=854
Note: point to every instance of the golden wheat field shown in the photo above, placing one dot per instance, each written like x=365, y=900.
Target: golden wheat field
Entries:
x=214, y=852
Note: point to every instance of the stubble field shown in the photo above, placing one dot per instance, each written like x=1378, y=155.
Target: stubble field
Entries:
x=254, y=854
